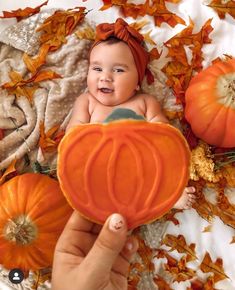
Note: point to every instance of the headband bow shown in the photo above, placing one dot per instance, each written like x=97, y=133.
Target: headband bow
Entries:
x=121, y=30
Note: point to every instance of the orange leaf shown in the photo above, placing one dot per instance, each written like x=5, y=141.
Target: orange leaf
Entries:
x=50, y=140
x=223, y=7
x=205, y=209
x=170, y=216
x=43, y=76
x=203, y=285
x=161, y=283
x=22, y=13
x=8, y=172
x=27, y=88
x=146, y=254
x=178, y=70
x=178, y=243
x=176, y=268
x=154, y=54
x=56, y=27
x=33, y=64
x=215, y=267
x=157, y=9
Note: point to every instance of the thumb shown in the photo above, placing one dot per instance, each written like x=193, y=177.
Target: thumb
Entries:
x=109, y=244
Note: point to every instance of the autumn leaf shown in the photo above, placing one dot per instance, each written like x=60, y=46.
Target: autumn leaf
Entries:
x=223, y=7
x=205, y=209
x=86, y=33
x=9, y=172
x=172, y=115
x=137, y=25
x=191, y=138
x=22, y=13
x=170, y=216
x=34, y=63
x=59, y=25
x=207, y=229
x=133, y=281
x=146, y=254
x=147, y=38
x=154, y=54
x=178, y=243
x=203, y=285
x=161, y=283
x=27, y=88
x=179, y=71
x=157, y=9
x=228, y=173
x=224, y=204
x=177, y=268
x=40, y=277
x=50, y=140
x=162, y=14
x=216, y=267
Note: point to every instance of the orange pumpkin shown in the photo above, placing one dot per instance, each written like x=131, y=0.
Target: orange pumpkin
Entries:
x=33, y=213
x=136, y=168
x=210, y=104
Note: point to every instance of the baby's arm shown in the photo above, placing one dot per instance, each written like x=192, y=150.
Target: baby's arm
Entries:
x=80, y=113
x=153, y=110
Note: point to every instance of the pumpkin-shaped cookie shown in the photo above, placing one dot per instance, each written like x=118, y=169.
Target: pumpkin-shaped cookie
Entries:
x=133, y=167
x=33, y=213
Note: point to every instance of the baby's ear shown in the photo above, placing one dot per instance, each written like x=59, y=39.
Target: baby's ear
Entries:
x=137, y=88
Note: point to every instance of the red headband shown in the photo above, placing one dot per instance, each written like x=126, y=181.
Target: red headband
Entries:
x=121, y=30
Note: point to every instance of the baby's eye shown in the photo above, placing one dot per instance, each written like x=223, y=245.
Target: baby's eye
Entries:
x=118, y=69
x=96, y=68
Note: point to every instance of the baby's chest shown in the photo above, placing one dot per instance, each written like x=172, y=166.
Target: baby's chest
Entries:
x=100, y=113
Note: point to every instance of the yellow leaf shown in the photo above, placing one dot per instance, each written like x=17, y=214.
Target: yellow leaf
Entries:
x=139, y=24
x=49, y=141
x=207, y=229
x=87, y=33
x=56, y=27
x=148, y=39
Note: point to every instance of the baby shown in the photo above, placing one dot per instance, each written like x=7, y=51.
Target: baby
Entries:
x=117, y=65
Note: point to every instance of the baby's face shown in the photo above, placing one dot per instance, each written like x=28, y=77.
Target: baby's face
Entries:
x=112, y=77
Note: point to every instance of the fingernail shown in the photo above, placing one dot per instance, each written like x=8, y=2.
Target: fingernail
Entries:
x=129, y=246
x=116, y=222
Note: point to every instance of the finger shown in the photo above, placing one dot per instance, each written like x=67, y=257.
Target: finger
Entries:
x=77, y=237
x=108, y=245
x=122, y=263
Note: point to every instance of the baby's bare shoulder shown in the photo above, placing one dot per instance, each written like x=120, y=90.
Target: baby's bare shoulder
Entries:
x=147, y=98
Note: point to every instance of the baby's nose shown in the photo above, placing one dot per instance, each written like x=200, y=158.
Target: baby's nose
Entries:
x=106, y=78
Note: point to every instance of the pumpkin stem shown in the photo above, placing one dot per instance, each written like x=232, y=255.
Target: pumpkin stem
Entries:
x=226, y=87
x=20, y=230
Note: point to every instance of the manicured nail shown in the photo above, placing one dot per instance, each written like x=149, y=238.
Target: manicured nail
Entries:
x=129, y=246
x=116, y=222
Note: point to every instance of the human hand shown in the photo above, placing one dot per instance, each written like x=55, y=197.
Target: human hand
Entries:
x=90, y=257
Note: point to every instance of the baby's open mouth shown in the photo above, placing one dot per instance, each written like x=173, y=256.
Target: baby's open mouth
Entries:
x=106, y=90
